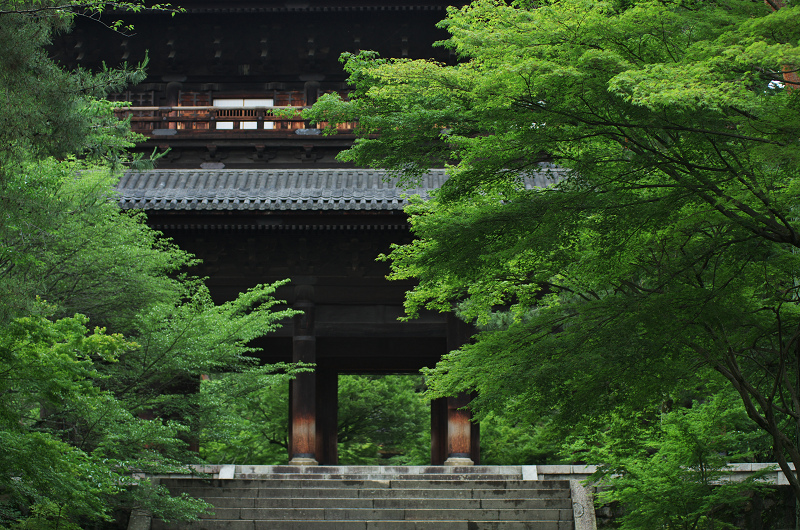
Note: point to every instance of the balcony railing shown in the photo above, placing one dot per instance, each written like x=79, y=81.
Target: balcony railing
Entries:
x=191, y=121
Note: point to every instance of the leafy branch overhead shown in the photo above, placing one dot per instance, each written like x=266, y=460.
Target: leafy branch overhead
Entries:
x=666, y=242
x=48, y=111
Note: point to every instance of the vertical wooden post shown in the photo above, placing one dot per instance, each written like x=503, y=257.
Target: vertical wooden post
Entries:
x=291, y=408
x=260, y=114
x=438, y=431
x=173, y=100
x=460, y=434
x=303, y=414
x=459, y=431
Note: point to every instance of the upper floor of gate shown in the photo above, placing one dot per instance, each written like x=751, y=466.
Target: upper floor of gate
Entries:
x=227, y=79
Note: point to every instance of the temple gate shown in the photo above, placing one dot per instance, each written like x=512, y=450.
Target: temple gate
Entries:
x=259, y=196
x=323, y=229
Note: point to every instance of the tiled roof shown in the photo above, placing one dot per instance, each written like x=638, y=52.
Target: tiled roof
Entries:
x=306, y=8
x=277, y=189
x=268, y=6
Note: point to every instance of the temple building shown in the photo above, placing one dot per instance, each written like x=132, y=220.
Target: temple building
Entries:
x=256, y=193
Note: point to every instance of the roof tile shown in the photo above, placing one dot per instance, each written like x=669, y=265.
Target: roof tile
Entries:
x=279, y=189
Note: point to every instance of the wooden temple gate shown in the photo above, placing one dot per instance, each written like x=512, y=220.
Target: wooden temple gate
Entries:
x=257, y=193
x=323, y=229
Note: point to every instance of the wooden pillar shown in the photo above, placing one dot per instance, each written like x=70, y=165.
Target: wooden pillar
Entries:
x=438, y=431
x=303, y=401
x=327, y=415
x=460, y=435
x=459, y=431
x=173, y=100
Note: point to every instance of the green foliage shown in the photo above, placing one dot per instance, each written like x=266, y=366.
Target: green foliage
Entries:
x=179, y=342
x=44, y=366
x=83, y=411
x=668, y=469
x=159, y=502
x=73, y=401
x=666, y=244
x=80, y=399
x=253, y=419
x=48, y=111
x=63, y=239
x=506, y=441
x=46, y=516
x=383, y=420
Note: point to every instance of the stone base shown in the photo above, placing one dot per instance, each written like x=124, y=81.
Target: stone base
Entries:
x=459, y=461
x=139, y=520
x=302, y=461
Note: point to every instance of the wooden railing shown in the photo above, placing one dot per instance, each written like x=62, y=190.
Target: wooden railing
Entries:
x=153, y=121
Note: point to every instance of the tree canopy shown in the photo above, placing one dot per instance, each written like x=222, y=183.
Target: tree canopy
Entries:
x=664, y=249
x=103, y=337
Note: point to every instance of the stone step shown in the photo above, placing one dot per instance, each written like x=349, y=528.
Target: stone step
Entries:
x=388, y=503
x=385, y=493
x=367, y=483
x=381, y=524
x=400, y=514
x=399, y=471
x=376, y=476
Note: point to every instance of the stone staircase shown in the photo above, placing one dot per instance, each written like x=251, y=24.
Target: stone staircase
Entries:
x=380, y=498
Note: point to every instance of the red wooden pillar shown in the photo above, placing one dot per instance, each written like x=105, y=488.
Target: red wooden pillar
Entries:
x=455, y=440
x=459, y=431
x=302, y=402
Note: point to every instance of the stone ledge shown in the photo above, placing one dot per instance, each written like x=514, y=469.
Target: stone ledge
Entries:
x=739, y=471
